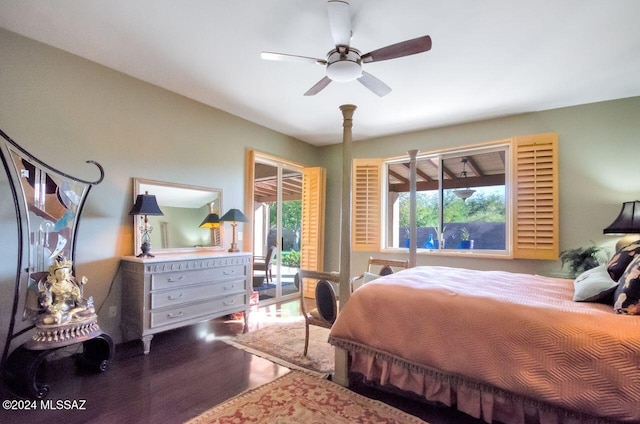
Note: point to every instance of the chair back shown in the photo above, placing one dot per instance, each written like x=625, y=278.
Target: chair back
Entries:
x=269, y=256
x=387, y=265
x=386, y=268
x=303, y=276
x=326, y=301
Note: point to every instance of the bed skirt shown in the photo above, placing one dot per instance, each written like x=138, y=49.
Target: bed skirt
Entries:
x=476, y=399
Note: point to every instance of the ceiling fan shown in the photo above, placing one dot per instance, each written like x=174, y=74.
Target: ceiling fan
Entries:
x=344, y=63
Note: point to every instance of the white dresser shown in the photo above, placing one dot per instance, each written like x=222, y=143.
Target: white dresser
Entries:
x=171, y=291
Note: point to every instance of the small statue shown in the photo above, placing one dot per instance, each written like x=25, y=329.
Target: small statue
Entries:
x=61, y=295
x=64, y=316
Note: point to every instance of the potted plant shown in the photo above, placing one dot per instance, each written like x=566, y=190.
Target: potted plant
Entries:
x=465, y=239
x=582, y=259
x=407, y=239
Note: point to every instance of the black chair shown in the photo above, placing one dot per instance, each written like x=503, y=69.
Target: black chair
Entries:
x=326, y=310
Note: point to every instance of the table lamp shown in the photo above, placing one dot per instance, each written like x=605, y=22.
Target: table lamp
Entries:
x=627, y=223
x=234, y=216
x=211, y=221
x=146, y=204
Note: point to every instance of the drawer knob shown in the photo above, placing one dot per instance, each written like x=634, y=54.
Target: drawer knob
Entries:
x=230, y=272
x=178, y=315
x=173, y=280
x=229, y=302
x=172, y=297
x=231, y=287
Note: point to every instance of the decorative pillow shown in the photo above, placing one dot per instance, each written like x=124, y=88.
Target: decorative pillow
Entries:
x=627, y=295
x=621, y=260
x=594, y=285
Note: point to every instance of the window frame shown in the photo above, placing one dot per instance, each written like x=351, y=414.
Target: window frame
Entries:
x=387, y=234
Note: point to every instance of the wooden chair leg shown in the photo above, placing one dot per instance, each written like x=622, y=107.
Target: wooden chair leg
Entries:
x=306, y=338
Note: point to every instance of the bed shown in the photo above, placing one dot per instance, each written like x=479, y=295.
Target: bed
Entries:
x=500, y=346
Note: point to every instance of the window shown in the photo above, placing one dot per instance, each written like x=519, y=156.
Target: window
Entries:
x=460, y=201
x=497, y=198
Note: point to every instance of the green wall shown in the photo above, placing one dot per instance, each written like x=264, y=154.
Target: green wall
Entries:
x=65, y=110
x=599, y=146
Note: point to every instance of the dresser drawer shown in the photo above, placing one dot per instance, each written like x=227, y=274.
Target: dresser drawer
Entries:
x=180, y=278
x=194, y=293
x=174, y=290
x=170, y=316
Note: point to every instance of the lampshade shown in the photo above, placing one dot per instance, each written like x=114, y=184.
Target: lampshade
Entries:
x=628, y=221
x=234, y=215
x=211, y=221
x=146, y=204
x=464, y=193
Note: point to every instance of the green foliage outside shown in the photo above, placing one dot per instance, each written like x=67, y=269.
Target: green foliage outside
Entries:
x=291, y=215
x=481, y=207
x=291, y=258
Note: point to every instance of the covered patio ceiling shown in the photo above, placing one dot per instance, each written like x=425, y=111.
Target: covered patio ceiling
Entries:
x=482, y=170
x=266, y=184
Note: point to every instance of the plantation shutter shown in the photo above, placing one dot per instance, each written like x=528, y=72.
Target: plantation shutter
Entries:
x=536, y=213
x=312, y=239
x=366, y=204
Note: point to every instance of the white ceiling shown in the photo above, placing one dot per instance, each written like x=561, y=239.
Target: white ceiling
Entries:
x=489, y=58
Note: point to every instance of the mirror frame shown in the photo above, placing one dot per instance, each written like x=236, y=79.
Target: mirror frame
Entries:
x=137, y=182
x=33, y=240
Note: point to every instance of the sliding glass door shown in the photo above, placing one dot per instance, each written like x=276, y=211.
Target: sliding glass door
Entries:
x=277, y=209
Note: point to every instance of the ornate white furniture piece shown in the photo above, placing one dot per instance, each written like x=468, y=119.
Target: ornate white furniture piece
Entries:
x=171, y=291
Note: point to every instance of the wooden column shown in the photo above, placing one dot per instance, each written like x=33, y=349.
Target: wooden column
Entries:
x=342, y=358
x=413, y=229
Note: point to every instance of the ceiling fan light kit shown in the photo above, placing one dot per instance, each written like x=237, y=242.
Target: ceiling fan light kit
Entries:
x=344, y=63
x=344, y=67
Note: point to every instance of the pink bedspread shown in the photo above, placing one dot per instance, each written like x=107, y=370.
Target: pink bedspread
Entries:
x=519, y=333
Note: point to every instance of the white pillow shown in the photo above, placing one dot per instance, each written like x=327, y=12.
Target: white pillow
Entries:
x=366, y=277
x=593, y=285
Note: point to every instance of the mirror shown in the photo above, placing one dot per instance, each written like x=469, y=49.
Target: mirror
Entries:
x=48, y=204
x=53, y=204
x=184, y=207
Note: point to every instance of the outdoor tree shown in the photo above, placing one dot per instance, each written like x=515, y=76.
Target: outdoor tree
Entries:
x=291, y=215
x=481, y=207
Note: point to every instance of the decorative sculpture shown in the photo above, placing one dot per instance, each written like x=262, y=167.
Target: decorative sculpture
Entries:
x=63, y=316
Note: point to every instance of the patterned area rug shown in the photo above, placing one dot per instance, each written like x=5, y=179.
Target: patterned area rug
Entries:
x=301, y=398
x=284, y=344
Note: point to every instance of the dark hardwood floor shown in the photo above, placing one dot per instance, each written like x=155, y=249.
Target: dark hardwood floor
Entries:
x=188, y=371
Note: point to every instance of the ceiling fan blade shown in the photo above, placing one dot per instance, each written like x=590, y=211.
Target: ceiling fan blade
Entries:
x=340, y=22
x=374, y=84
x=404, y=48
x=291, y=58
x=318, y=87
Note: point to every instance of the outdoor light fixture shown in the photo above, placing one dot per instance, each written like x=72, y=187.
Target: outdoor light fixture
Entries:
x=464, y=193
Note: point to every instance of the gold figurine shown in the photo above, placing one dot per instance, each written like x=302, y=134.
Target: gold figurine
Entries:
x=61, y=295
x=64, y=316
